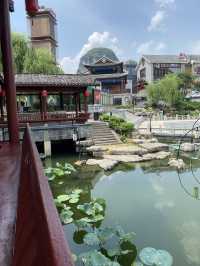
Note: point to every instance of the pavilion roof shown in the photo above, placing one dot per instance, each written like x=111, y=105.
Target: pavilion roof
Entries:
x=61, y=80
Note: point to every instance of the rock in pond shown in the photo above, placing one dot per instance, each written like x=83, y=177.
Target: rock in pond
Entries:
x=187, y=147
x=80, y=163
x=156, y=156
x=128, y=150
x=96, y=149
x=124, y=158
x=155, y=147
x=105, y=164
x=179, y=164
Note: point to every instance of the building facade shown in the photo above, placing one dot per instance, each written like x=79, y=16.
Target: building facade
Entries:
x=110, y=74
x=130, y=67
x=155, y=67
x=43, y=30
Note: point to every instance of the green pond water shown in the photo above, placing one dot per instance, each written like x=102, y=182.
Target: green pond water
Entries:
x=149, y=199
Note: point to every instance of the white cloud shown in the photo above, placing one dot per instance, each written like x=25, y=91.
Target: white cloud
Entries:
x=151, y=47
x=164, y=3
x=156, y=23
x=96, y=39
x=195, y=47
x=189, y=233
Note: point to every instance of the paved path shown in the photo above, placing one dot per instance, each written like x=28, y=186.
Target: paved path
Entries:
x=129, y=117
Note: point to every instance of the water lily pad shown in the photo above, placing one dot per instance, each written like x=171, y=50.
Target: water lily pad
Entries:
x=152, y=257
x=91, y=239
x=62, y=198
x=163, y=258
x=147, y=256
x=95, y=258
x=66, y=216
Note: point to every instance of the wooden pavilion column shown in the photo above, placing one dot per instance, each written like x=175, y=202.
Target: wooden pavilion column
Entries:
x=61, y=101
x=44, y=95
x=76, y=104
x=8, y=70
x=85, y=96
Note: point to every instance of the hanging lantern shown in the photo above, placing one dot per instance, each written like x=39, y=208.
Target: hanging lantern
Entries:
x=86, y=93
x=44, y=93
x=32, y=6
x=11, y=6
x=2, y=92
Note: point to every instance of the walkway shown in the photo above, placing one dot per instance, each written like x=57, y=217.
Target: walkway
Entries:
x=9, y=180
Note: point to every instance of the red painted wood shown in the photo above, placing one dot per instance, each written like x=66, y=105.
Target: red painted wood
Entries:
x=39, y=239
x=8, y=70
x=10, y=157
x=32, y=6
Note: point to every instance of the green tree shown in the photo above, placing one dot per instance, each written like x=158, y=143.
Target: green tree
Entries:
x=20, y=50
x=29, y=60
x=166, y=90
x=186, y=81
x=40, y=61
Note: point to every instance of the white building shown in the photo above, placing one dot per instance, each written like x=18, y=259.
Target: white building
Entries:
x=154, y=67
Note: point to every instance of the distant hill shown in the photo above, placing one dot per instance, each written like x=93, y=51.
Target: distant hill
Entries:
x=93, y=55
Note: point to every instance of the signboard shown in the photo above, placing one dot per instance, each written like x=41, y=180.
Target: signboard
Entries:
x=95, y=108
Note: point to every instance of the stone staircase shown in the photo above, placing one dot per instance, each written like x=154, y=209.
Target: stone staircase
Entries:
x=103, y=135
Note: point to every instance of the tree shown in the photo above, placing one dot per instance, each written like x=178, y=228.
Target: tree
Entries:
x=20, y=50
x=40, y=61
x=29, y=60
x=186, y=81
x=166, y=90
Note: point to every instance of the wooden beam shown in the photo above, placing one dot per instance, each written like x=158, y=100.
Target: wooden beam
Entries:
x=8, y=70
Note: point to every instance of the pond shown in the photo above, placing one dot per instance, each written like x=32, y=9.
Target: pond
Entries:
x=149, y=199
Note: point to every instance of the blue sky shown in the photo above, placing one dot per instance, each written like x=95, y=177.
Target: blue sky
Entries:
x=130, y=27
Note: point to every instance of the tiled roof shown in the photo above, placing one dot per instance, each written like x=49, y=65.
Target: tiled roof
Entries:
x=65, y=80
x=176, y=59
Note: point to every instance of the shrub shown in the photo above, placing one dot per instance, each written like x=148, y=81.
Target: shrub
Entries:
x=118, y=124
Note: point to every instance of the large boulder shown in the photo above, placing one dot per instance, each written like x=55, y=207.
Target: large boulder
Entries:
x=156, y=156
x=155, y=147
x=124, y=158
x=96, y=148
x=128, y=150
x=188, y=147
x=176, y=163
x=105, y=164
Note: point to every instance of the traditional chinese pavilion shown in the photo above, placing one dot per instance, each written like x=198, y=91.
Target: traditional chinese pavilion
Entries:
x=69, y=92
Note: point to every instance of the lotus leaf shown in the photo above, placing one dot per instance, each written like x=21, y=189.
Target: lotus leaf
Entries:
x=63, y=198
x=147, y=256
x=82, y=223
x=95, y=258
x=91, y=239
x=66, y=216
x=105, y=234
x=163, y=258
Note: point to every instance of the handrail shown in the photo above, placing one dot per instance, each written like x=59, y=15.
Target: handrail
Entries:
x=39, y=238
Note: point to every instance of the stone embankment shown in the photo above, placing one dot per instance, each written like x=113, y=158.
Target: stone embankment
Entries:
x=109, y=156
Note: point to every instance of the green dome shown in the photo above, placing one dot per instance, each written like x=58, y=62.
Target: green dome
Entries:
x=95, y=54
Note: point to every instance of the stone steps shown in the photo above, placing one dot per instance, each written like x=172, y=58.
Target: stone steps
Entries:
x=103, y=135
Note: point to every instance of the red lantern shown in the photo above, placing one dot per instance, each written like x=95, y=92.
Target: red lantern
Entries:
x=86, y=93
x=44, y=93
x=2, y=92
x=32, y=6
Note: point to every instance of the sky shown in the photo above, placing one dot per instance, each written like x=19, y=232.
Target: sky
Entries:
x=130, y=27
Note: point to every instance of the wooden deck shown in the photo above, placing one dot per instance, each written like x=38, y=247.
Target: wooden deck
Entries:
x=9, y=181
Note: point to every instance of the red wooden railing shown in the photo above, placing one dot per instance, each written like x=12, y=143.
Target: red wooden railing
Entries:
x=49, y=117
x=39, y=238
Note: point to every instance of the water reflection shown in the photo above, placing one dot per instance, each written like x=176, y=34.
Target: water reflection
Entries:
x=156, y=202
